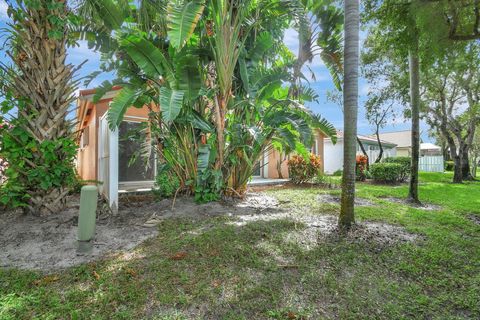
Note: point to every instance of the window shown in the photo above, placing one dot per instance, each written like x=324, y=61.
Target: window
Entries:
x=85, y=139
x=132, y=166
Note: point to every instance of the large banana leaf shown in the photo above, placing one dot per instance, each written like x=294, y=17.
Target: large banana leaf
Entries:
x=148, y=58
x=182, y=18
x=111, y=13
x=125, y=99
x=198, y=122
x=244, y=74
x=188, y=75
x=171, y=102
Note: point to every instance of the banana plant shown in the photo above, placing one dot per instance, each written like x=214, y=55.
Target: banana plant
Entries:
x=265, y=117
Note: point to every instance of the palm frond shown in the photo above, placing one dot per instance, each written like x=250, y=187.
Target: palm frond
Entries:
x=325, y=126
x=125, y=99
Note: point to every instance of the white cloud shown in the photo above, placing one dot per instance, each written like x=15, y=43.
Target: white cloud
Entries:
x=3, y=10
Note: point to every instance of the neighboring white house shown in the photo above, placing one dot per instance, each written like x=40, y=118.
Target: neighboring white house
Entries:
x=431, y=156
x=333, y=153
x=403, y=140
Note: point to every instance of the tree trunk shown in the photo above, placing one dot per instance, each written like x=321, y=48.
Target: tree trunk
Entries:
x=414, y=68
x=466, y=173
x=457, y=170
x=220, y=106
x=474, y=166
x=350, y=107
x=380, y=155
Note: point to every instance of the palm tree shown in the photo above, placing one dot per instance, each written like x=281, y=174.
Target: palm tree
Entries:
x=414, y=66
x=44, y=88
x=350, y=102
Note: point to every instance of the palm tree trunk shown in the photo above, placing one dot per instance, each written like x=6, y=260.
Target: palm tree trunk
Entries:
x=350, y=107
x=414, y=66
x=44, y=77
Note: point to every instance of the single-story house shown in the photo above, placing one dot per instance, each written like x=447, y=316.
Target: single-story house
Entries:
x=105, y=155
x=334, y=152
x=430, y=149
x=403, y=140
x=431, y=156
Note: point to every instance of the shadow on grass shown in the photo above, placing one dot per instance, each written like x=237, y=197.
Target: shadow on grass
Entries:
x=213, y=269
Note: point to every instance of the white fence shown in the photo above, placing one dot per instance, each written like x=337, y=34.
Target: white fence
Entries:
x=431, y=164
x=373, y=154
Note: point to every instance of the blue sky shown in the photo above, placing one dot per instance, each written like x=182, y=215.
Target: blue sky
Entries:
x=322, y=85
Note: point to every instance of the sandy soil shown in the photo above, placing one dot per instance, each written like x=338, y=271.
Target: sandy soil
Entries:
x=49, y=243
x=334, y=199
x=423, y=206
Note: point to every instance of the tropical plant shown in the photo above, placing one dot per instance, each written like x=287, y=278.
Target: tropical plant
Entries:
x=166, y=183
x=219, y=78
x=301, y=170
x=361, y=167
x=39, y=84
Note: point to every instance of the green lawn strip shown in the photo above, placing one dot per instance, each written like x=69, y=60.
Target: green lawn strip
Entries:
x=213, y=268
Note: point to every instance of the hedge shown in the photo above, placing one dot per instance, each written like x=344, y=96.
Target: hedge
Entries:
x=405, y=162
x=386, y=172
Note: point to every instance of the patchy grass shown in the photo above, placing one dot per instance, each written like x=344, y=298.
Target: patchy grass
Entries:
x=215, y=269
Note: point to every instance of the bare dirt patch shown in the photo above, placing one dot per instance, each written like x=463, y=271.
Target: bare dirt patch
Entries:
x=475, y=218
x=423, y=206
x=315, y=229
x=49, y=243
x=334, y=199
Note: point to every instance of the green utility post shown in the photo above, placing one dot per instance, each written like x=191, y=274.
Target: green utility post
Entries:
x=88, y=209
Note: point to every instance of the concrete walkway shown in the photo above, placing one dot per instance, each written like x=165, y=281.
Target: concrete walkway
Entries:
x=256, y=181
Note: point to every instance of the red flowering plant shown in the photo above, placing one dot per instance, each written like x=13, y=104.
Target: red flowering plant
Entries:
x=361, y=167
x=304, y=170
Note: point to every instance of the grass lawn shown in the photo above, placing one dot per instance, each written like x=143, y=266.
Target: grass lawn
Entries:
x=216, y=269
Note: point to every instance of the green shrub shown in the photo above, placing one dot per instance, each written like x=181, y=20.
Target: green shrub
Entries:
x=36, y=169
x=386, y=172
x=166, y=184
x=319, y=178
x=405, y=162
x=338, y=173
x=449, y=165
x=301, y=170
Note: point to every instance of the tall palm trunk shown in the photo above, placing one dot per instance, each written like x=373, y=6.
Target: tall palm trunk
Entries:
x=45, y=80
x=414, y=66
x=350, y=106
